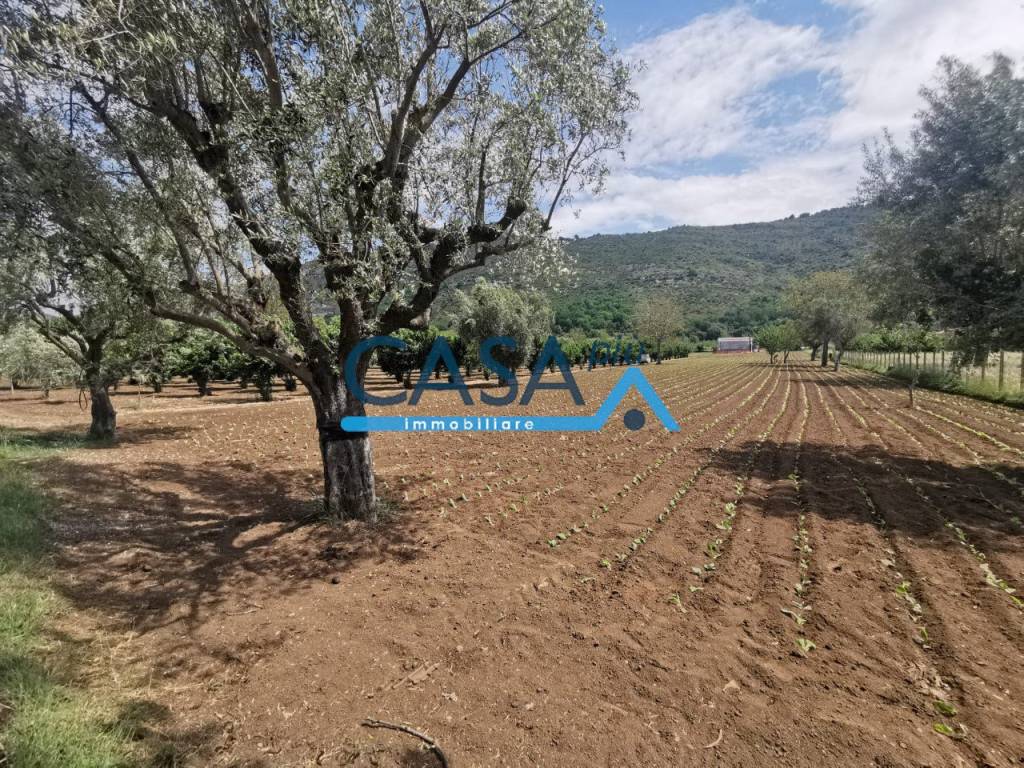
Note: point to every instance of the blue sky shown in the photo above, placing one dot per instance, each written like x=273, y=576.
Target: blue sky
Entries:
x=751, y=111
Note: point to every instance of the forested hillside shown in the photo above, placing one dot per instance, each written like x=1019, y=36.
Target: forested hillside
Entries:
x=729, y=276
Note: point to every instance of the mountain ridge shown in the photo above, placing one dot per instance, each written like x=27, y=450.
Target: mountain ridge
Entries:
x=717, y=271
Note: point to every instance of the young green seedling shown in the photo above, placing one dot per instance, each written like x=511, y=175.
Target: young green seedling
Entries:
x=805, y=645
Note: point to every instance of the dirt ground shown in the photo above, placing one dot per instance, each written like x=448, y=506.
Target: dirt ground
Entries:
x=809, y=573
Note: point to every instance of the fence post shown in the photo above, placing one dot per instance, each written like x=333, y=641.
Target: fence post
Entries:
x=1002, y=368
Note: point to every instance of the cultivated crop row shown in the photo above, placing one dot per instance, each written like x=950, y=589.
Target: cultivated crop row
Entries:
x=645, y=473
x=990, y=577
x=630, y=548
x=715, y=547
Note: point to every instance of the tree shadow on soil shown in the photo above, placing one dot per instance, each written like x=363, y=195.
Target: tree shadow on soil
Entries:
x=161, y=543
x=975, y=498
x=62, y=439
x=150, y=725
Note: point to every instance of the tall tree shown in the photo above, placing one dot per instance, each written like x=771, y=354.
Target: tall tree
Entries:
x=657, y=318
x=949, y=249
x=490, y=310
x=830, y=308
x=388, y=145
x=51, y=279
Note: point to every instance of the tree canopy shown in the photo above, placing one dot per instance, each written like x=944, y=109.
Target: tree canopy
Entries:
x=949, y=250
x=778, y=338
x=657, y=318
x=49, y=276
x=490, y=310
x=829, y=307
x=392, y=145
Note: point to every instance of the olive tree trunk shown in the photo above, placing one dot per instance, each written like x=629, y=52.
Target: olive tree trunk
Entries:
x=202, y=382
x=104, y=417
x=824, y=354
x=349, y=490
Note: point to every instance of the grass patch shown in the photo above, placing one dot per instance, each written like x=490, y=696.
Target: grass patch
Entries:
x=22, y=444
x=944, y=381
x=44, y=722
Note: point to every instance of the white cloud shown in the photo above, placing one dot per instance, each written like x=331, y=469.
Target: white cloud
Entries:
x=708, y=91
x=695, y=90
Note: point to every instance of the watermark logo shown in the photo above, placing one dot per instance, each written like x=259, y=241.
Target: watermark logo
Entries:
x=551, y=356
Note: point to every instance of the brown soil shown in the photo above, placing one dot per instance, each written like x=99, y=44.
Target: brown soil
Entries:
x=264, y=636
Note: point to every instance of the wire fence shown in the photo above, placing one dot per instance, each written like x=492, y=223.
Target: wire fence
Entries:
x=1001, y=371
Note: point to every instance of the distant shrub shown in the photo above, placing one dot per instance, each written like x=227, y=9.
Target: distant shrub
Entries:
x=947, y=381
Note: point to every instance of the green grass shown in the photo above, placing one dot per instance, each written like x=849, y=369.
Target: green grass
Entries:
x=943, y=381
x=44, y=721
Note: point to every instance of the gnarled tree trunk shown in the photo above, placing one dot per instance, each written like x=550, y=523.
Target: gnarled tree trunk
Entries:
x=349, y=489
x=104, y=417
x=814, y=351
x=202, y=382
x=824, y=354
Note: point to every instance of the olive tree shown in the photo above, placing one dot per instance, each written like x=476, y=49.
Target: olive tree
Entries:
x=25, y=356
x=371, y=148
x=948, y=249
x=491, y=310
x=657, y=318
x=49, y=278
x=778, y=338
x=829, y=307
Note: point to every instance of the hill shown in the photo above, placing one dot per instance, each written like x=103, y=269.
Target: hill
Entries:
x=728, y=276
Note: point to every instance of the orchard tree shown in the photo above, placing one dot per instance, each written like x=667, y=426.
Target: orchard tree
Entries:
x=151, y=354
x=948, y=250
x=25, y=356
x=257, y=370
x=779, y=338
x=203, y=356
x=386, y=145
x=400, y=363
x=490, y=310
x=657, y=318
x=52, y=279
x=830, y=308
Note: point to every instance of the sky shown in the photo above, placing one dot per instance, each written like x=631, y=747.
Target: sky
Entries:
x=753, y=111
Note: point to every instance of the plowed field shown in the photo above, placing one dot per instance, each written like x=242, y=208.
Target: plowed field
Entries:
x=809, y=573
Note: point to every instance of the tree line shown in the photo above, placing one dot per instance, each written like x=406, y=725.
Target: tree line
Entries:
x=944, y=266
x=154, y=352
